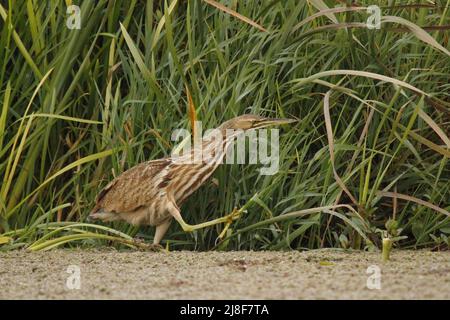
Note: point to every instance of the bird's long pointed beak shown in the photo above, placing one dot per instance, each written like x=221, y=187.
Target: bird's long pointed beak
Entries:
x=273, y=122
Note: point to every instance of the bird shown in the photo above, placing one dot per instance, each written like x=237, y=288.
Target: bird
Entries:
x=152, y=192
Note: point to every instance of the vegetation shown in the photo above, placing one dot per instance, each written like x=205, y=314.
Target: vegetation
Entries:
x=368, y=158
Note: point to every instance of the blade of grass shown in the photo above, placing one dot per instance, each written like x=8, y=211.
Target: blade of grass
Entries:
x=329, y=128
x=321, y=6
x=235, y=14
x=413, y=199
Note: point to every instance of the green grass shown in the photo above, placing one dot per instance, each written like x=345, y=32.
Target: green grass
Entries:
x=79, y=107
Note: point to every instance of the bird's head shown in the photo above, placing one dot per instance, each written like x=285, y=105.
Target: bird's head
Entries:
x=251, y=121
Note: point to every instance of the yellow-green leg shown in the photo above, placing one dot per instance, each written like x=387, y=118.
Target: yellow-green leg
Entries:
x=189, y=227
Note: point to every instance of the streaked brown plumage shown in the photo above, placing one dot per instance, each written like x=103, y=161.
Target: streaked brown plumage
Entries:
x=150, y=193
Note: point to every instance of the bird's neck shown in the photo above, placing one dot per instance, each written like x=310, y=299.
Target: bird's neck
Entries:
x=216, y=144
x=210, y=150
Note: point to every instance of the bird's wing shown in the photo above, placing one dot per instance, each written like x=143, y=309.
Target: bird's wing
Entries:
x=134, y=188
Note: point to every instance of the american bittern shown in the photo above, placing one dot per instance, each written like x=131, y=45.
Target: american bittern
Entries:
x=150, y=193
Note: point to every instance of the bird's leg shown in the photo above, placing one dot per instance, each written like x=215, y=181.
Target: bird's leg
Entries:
x=161, y=231
x=159, y=234
x=189, y=227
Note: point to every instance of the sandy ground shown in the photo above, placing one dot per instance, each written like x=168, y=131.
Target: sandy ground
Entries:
x=320, y=274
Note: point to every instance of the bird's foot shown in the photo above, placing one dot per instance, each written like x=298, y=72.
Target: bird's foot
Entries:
x=141, y=245
x=155, y=247
x=234, y=215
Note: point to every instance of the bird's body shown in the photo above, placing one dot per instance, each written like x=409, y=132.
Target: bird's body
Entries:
x=152, y=184
x=150, y=193
x=143, y=204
